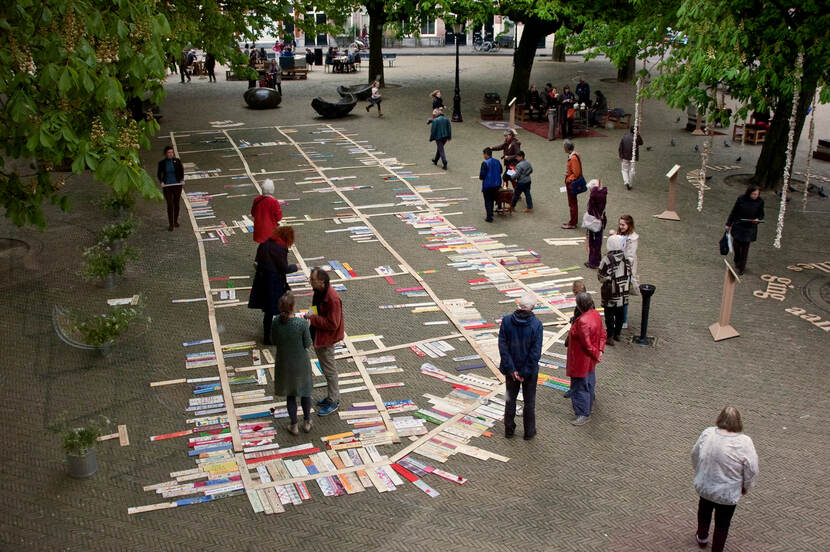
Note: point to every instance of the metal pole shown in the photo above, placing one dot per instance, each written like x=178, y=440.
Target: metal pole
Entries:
x=456, y=100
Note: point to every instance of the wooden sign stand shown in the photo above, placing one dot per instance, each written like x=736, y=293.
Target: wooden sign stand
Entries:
x=721, y=329
x=512, y=123
x=698, y=131
x=670, y=213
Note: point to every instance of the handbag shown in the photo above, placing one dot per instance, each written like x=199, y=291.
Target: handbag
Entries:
x=571, y=112
x=591, y=223
x=725, y=244
x=576, y=187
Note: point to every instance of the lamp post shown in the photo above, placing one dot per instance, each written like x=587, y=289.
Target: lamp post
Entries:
x=456, y=99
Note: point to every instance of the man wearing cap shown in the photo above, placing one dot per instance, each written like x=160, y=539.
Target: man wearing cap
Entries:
x=520, y=347
x=511, y=148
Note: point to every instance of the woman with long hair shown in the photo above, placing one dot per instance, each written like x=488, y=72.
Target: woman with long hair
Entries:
x=742, y=223
x=270, y=279
x=292, y=370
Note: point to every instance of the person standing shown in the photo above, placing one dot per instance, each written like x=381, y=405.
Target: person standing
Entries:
x=490, y=176
x=375, y=98
x=586, y=343
x=270, y=281
x=566, y=112
x=511, y=147
x=522, y=183
x=266, y=212
x=171, y=176
x=627, y=157
x=597, y=198
x=631, y=242
x=583, y=92
x=210, y=65
x=184, y=65
x=520, y=348
x=552, y=104
x=292, y=369
x=576, y=288
x=726, y=467
x=327, y=328
x=615, y=276
x=533, y=104
x=440, y=132
x=573, y=172
x=742, y=223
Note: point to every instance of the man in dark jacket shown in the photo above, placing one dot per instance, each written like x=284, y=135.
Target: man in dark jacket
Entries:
x=171, y=176
x=627, y=157
x=520, y=347
x=327, y=328
x=511, y=148
x=440, y=132
x=490, y=182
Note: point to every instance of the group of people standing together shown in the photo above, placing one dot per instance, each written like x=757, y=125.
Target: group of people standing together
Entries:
x=560, y=108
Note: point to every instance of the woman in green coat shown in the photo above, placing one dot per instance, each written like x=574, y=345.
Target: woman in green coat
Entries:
x=292, y=370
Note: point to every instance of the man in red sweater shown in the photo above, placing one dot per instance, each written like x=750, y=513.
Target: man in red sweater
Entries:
x=327, y=328
x=266, y=212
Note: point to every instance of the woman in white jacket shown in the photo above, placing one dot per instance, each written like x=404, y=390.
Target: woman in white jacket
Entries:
x=726, y=467
x=631, y=240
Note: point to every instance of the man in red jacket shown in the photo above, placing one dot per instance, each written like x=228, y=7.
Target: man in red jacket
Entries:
x=327, y=328
x=586, y=342
x=266, y=212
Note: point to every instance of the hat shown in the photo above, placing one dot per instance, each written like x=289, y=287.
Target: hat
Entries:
x=510, y=132
x=614, y=243
x=268, y=187
x=527, y=301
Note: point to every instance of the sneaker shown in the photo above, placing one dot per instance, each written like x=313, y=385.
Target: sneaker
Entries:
x=435, y=162
x=508, y=434
x=567, y=226
x=701, y=543
x=628, y=187
x=580, y=420
x=625, y=325
x=528, y=211
x=328, y=408
x=324, y=401
x=444, y=167
x=529, y=436
x=292, y=429
x=306, y=425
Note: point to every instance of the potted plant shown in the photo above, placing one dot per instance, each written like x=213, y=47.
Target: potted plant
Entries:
x=102, y=262
x=115, y=233
x=118, y=203
x=101, y=330
x=79, y=445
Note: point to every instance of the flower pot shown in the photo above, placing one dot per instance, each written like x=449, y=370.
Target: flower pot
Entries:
x=82, y=466
x=106, y=349
x=109, y=280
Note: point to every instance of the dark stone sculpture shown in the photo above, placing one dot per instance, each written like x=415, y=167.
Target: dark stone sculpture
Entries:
x=334, y=110
x=262, y=98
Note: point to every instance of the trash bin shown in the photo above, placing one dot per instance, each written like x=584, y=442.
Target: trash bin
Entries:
x=318, y=56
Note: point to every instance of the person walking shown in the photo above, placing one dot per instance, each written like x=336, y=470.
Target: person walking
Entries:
x=184, y=65
x=520, y=348
x=615, y=276
x=742, y=223
x=171, y=176
x=522, y=182
x=586, y=343
x=511, y=148
x=573, y=172
x=292, y=369
x=437, y=100
x=210, y=65
x=627, y=157
x=327, y=328
x=597, y=199
x=375, y=98
x=726, y=468
x=266, y=211
x=440, y=132
x=490, y=176
x=270, y=281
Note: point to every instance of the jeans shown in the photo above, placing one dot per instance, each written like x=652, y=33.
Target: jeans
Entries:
x=553, y=122
x=291, y=405
x=528, y=387
x=173, y=197
x=613, y=321
x=582, y=394
x=573, y=207
x=326, y=357
x=723, y=517
x=567, y=127
x=439, y=151
x=522, y=189
x=490, y=196
x=595, y=248
x=627, y=169
x=741, y=250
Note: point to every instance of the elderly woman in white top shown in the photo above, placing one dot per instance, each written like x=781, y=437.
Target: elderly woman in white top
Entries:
x=726, y=467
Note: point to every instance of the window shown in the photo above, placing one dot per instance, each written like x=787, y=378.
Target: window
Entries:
x=427, y=26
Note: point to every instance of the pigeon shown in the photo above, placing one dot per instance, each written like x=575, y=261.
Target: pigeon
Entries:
x=673, y=143
x=648, y=148
x=697, y=148
x=677, y=120
x=821, y=192
x=709, y=177
x=738, y=160
x=726, y=144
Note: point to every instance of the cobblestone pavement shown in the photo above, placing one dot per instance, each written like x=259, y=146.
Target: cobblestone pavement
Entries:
x=621, y=482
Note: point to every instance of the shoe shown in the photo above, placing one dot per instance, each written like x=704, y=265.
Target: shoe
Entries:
x=701, y=543
x=628, y=187
x=444, y=167
x=568, y=394
x=609, y=342
x=435, y=162
x=527, y=211
x=529, y=436
x=380, y=114
x=592, y=267
x=292, y=429
x=170, y=228
x=488, y=219
x=328, y=408
x=508, y=434
x=616, y=338
x=306, y=426
x=567, y=226
x=625, y=325
x=821, y=192
x=324, y=401
x=176, y=224
x=740, y=272
x=581, y=420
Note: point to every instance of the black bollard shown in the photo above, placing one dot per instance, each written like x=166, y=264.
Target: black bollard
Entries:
x=646, y=291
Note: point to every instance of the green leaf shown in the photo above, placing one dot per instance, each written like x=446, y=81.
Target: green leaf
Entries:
x=65, y=82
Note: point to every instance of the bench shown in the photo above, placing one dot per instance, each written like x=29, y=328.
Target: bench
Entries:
x=294, y=73
x=756, y=133
x=389, y=58
x=617, y=120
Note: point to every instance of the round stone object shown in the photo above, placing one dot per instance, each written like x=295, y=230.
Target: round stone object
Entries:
x=262, y=98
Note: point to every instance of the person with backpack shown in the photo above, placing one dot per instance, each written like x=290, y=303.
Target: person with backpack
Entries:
x=615, y=276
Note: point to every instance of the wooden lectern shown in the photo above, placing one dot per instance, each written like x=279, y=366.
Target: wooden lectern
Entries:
x=721, y=329
x=670, y=213
x=512, y=106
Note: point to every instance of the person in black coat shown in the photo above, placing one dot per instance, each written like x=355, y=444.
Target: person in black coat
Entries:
x=437, y=100
x=743, y=224
x=210, y=65
x=171, y=177
x=270, y=282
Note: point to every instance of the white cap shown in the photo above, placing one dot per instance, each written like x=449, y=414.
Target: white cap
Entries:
x=527, y=301
x=268, y=187
x=614, y=243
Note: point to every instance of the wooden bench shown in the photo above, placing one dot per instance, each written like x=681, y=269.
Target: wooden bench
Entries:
x=619, y=121
x=755, y=134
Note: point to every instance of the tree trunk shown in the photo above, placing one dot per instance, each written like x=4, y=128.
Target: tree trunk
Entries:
x=769, y=171
x=559, y=50
x=377, y=19
x=625, y=72
x=525, y=53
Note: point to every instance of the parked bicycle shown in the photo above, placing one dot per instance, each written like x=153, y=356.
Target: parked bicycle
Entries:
x=480, y=45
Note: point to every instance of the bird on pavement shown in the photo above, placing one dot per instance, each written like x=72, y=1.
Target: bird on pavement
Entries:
x=673, y=143
x=677, y=120
x=648, y=148
x=697, y=148
x=738, y=160
x=726, y=144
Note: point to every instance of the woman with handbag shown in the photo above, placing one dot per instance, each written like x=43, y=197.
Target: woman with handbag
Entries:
x=574, y=183
x=567, y=102
x=742, y=224
x=594, y=221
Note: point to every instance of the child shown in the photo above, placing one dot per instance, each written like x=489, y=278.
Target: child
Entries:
x=375, y=99
x=521, y=183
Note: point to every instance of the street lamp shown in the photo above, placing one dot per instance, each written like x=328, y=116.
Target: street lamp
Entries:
x=456, y=99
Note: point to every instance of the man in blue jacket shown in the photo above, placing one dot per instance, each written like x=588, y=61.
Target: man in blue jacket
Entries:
x=520, y=347
x=490, y=176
